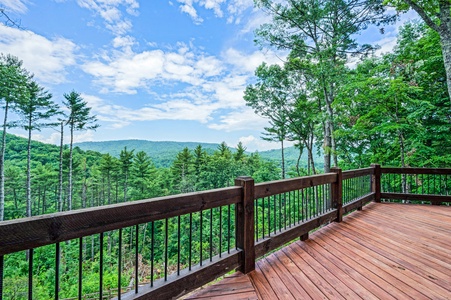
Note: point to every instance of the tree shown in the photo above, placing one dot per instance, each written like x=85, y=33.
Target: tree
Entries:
x=13, y=89
x=322, y=34
x=35, y=113
x=436, y=14
x=183, y=170
x=269, y=98
x=79, y=119
x=126, y=160
x=143, y=169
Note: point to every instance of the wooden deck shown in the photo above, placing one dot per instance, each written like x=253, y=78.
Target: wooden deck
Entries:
x=385, y=251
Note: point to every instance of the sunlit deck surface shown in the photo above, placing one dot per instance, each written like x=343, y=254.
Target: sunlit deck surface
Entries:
x=385, y=251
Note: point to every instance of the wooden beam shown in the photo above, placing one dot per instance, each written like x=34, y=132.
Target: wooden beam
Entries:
x=245, y=224
x=337, y=193
x=187, y=281
x=357, y=173
x=376, y=182
x=442, y=171
x=417, y=197
x=26, y=233
x=282, y=186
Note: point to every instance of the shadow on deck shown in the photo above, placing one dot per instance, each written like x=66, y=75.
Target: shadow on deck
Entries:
x=385, y=251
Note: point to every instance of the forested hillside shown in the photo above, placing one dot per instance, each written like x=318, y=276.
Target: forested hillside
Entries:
x=104, y=179
x=163, y=153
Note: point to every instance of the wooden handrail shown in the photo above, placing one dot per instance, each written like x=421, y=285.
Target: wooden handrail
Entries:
x=27, y=233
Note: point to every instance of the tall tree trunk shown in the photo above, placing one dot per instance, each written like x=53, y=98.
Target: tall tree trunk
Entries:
x=445, y=40
x=283, y=159
x=29, y=170
x=125, y=186
x=2, y=165
x=69, y=194
x=60, y=179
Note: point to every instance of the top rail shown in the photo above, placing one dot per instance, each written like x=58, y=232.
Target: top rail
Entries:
x=357, y=173
x=26, y=233
x=444, y=171
x=267, y=189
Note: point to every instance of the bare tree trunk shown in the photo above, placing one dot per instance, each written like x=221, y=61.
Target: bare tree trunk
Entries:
x=60, y=178
x=2, y=165
x=283, y=159
x=28, y=196
x=69, y=194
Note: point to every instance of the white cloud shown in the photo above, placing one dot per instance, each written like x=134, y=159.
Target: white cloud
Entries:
x=17, y=6
x=253, y=143
x=120, y=116
x=249, y=62
x=234, y=8
x=47, y=58
x=126, y=72
x=243, y=119
x=109, y=11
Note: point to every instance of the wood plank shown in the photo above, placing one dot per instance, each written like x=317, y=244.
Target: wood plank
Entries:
x=276, y=284
x=374, y=283
x=267, y=189
x=292, y=277
x=357, y=173
x=392, y=273
x=442, y=171
x=322, y=287
x=416, y=197
x=388, y=282
x=429, y=288
x=188, y=280
x=261, y=284
x=26, y=233
x=301, y=259
x=428, y=263
x=411, y=235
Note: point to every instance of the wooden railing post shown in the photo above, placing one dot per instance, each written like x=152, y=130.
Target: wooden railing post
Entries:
x=337, y=193
x=245, y=224
x=376, y=182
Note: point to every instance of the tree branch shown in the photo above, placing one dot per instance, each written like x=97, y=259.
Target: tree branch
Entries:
x=423, y=15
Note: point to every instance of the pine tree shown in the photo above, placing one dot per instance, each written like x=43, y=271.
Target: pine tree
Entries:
x=35, y=111
x=79, y=118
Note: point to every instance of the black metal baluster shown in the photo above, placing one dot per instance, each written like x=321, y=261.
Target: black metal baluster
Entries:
x=119, y=266
x=101, y=267
x=190, y=255
x=166, y=247
x=220, y=231
x=200, y=237
x=57, y=270
x=30, y=273
x=256, y=217
x=275, y=213
x=178, y=246
x=211, y=234
x=152, y=252
x=80, y=268
x=269, y=216
x=228, y=230
x=280, y=212
x=263, y=218
x=1, y=276
x=136, y=258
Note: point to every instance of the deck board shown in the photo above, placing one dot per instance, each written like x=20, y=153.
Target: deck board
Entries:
x=385, y=251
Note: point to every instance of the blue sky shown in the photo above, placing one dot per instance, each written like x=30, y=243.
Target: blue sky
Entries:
x=154, y=70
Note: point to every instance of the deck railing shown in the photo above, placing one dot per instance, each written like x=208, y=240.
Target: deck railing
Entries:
x=172, y=245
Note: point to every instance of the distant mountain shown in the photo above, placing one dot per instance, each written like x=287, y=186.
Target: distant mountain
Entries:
x=164, y=153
